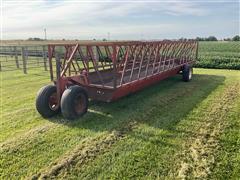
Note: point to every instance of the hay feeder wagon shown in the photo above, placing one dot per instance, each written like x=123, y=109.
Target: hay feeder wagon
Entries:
x=107, y=71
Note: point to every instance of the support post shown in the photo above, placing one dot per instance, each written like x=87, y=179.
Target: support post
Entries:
x=196, y=58
x=50, y=56
x=44, y=58
x=16, y=57
x=58, y=74
x=114, y=67
x=24, y=60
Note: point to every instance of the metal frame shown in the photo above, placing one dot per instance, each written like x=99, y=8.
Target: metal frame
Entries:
x=110, y=70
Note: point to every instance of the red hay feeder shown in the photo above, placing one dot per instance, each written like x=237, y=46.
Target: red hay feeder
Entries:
x=107, y=71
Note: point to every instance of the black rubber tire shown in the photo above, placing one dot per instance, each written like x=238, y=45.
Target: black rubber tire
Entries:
x=42, y=101
x=187, y=72
x=70, y=98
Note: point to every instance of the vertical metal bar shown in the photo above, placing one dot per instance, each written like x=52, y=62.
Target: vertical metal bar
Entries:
x=98, y=57
x=164, y=47
x=133, y=64
x=12, y=52
x=16, y=57
x=24, y=60
x=156, y=56
x=166, y=56
x=149, y=58
x=121, y=64
x=190, y=53
x=172, y=53
x=179, y=48
x=50, y=55
x=178, y=53
x=26, y=53
x=187, y=52
x=196, y=58
x=84, y=59
x=169, y=55
x=138, y=59
x=58, y=75
x=57, y=67
x=36, y=55
x=65, y=55
x=125, y=64
x=108, y=53
x=181, y=53
x=90, y=51
x=44, y=58
x=114, y=60
x=70, y=63
x=76, y=61
x=147, y=47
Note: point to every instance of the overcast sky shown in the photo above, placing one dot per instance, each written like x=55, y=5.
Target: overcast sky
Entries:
x=76, y=19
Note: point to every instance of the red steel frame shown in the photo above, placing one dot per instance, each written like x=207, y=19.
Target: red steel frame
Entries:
x=110, y=70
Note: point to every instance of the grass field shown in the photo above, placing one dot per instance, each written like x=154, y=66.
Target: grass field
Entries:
x=168, y=131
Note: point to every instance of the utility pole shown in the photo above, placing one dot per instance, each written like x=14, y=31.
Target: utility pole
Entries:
x=45, y=33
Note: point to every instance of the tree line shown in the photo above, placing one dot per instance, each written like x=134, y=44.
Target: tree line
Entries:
x=210, y=38
x=213, y=38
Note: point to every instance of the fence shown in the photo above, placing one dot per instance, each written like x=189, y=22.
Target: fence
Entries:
x=23, y=57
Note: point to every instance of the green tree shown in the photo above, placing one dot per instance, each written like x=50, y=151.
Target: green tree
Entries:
x=211, y=38
x=236, y=38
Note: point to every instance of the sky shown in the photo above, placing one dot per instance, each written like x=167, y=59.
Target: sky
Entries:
x=122, y=19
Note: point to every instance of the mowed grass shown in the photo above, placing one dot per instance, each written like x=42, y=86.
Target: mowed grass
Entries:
x=169, y=130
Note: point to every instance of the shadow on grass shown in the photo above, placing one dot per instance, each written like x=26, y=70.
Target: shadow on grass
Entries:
x=163, y=105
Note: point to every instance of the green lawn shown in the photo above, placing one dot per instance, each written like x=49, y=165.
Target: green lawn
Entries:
x=173, y=129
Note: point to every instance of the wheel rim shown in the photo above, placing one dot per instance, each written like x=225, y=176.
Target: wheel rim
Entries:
x=53, y=104
x=190, y=73
x=79, y=104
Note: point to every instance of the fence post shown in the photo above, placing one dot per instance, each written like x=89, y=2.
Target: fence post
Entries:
x=24, y=60
x=16, y=56
x=45, y=58
x=12, y=51
x=26, y=54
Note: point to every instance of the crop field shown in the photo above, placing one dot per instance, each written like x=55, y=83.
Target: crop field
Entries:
x=170, y=130
x=220, y=55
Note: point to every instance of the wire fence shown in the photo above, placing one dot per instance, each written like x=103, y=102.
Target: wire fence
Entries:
x=23, y=58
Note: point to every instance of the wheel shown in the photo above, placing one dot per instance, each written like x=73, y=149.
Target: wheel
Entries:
x=74, y=102
x=46, y=102
x=187, y=73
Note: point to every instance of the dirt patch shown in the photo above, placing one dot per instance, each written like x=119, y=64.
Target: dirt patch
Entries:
x=88, y=150
x=199, y=154
x=11, y=144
